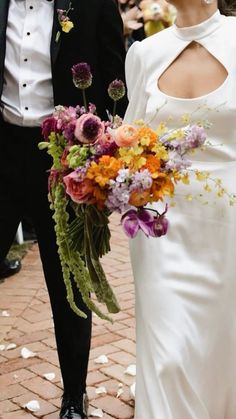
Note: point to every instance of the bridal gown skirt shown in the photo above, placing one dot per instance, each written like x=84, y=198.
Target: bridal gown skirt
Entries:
x=186, y=309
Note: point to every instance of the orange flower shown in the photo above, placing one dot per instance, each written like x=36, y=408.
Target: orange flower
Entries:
x=161, y=186
x=100, y=197
x=147, y=136
x=107, y=168
x=153, y=165
x=138, y=199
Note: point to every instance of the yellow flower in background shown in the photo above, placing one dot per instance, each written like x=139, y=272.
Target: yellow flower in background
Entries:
x=202, y=175
x=67, y=25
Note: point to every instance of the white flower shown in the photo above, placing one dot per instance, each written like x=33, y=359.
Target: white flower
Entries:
x=26, y=353
x=5, y=313
x=132, y=390
x=100, y=390
x=10, y=346
x=97, y=413
x=32, y=406
x=102, y=359
x=49, y=376
x=131, y=370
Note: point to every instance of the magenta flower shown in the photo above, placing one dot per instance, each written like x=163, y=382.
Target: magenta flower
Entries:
x=160, y=224
x=89, y=128
x=49, y=125
x=82, y=76
x=69, y=131
x=133, y=221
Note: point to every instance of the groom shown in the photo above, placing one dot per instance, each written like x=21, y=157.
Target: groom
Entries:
x=36, y=57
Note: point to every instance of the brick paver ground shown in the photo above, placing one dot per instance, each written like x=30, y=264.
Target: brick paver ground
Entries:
x=25, y=322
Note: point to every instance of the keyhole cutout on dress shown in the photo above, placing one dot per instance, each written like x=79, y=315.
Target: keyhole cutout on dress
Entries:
x=194, y=73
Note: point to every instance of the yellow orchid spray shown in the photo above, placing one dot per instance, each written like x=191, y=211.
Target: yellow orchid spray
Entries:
x=64, y=20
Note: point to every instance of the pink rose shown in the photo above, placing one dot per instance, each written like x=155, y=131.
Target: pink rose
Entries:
x=80, y=191
x=89, y=128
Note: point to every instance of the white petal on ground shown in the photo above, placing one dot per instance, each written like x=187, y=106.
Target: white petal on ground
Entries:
x=100, y=390
x=131, y=370
x=120, y=385
x=26, y=353
x=97, y=413
x=132, y=390
x=49, y=376
x=5, y=313
x=32, y=406
x=2, y=347
x=119, y=392
x=102, y=359
x=10, y=346
x=15, y=376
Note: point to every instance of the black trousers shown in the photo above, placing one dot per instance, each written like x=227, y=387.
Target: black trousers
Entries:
x=23, y=191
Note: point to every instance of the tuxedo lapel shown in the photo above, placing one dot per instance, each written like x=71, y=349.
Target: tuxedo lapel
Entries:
x=55, y=43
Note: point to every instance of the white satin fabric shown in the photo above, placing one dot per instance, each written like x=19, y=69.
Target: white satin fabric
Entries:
x=186, y=281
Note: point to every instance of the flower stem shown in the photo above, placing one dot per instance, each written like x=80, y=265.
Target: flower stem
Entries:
x=114, y=111
x=85, y=100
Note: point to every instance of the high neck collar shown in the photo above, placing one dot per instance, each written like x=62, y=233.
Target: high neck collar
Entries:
x=203, y=29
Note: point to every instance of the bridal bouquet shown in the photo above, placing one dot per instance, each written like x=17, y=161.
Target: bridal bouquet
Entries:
x=100, y=167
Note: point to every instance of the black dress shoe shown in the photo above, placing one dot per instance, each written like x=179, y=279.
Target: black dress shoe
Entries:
x=74, y=408
x=9, y=267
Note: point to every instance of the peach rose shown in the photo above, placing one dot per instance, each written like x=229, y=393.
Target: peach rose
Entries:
x=126, y=136
x=80, y=191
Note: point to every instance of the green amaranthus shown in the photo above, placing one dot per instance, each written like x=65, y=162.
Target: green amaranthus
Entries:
x=83, y=236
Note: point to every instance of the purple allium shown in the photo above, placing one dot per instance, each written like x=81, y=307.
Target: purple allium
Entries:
x=82, y=76
x=116, y=90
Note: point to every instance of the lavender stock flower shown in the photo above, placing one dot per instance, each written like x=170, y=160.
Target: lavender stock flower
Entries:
x=196, y=137
x=118, y=197
x=141, y=180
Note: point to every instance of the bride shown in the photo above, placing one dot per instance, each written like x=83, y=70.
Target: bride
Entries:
x=186, y=281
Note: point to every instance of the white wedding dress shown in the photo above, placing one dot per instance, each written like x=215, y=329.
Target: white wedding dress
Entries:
x=186, y=281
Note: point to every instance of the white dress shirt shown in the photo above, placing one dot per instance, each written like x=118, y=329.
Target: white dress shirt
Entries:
x=27, y=96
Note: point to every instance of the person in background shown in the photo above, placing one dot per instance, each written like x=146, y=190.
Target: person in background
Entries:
x=132, y=21
x=36, y=57
x=157, y=15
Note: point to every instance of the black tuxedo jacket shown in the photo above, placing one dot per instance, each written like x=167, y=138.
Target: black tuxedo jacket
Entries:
x=97, y=38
